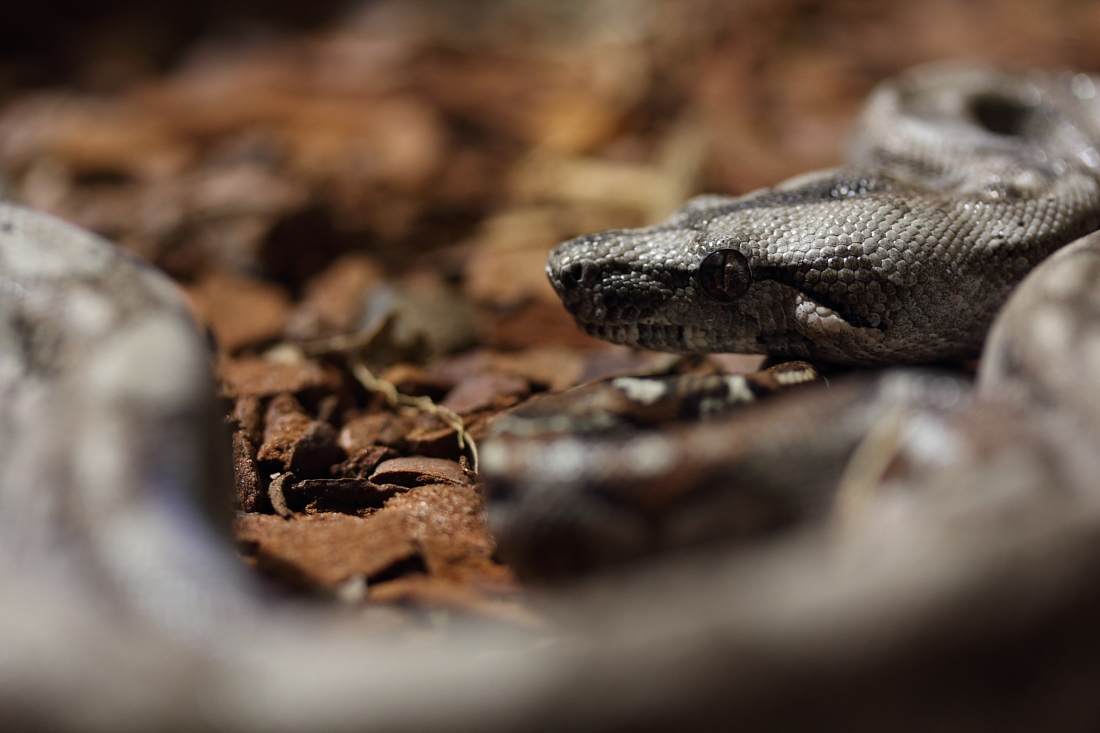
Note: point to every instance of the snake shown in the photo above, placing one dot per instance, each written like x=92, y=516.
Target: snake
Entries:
x=960, y=181
x=918, y=542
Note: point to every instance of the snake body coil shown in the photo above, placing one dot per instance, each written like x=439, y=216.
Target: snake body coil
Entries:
x=964, y=534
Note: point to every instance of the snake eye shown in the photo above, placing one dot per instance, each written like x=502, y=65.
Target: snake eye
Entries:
x=724, y=275
x=1001, y=115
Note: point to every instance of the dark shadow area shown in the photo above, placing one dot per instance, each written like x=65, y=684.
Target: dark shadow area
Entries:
x=105, y=44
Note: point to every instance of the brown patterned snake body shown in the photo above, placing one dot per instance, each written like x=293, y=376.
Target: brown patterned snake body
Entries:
x=957, y=559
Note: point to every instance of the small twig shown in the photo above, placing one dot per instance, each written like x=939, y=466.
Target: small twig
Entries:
x=421, y=404
x=275, y=493
x=355, y=344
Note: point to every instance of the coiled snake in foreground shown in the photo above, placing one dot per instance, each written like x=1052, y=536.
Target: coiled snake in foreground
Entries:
x=940, y=544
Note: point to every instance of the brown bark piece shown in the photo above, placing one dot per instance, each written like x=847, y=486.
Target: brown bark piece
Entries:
x=441, y=523
x=275, y=493
x=487, y=391
x=553, y=367
x=256, y=377
x=333, y=300
x=451, y=533
x=412, y=380
x=416, y=470
x=379, y=428
x=240, y=311
x=344, y=495
x=325, y=550
x=251, y=496
x=363, y=462
x=248, y=417
x=296, y=442
x=535, y=323
x=431, y=436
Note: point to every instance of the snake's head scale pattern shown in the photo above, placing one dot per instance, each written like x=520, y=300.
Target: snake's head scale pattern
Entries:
x=960, y=181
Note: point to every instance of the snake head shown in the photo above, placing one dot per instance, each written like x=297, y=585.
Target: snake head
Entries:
x=712, y=278
x=847, y=266
x=962, y=179
x=645, y=287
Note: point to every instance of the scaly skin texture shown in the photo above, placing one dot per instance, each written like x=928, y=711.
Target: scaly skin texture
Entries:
x=961, y=181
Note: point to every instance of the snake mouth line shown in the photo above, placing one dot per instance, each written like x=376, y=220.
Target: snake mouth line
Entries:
x=660, y=337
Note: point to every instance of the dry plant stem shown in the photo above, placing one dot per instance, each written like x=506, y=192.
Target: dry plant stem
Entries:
x=356, y=343
x=421, y=404
x=347, y=342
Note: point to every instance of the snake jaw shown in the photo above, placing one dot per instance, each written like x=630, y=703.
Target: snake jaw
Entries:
x=815, y=318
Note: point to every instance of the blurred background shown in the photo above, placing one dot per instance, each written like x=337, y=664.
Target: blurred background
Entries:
x=246, y=146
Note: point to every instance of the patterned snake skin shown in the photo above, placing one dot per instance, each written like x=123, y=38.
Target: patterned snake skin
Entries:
x=954, y=553
x=960, y=181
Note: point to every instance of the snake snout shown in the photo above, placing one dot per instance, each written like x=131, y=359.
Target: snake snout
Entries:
x=569, y=269
x=577, y=276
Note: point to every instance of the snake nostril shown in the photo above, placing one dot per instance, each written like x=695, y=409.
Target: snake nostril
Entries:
x=572, y=275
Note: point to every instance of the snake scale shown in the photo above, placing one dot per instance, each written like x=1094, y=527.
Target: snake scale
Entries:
x=951, y=556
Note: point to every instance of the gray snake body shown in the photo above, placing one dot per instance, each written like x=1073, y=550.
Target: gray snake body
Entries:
x=966, y=527
x=960, y=181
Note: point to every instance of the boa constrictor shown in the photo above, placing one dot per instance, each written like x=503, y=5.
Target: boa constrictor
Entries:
x=960, y=181
x=955, y=558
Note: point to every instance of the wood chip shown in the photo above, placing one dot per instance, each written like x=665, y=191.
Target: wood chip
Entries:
x=430, y=435
x=417, y=470
x=294, y=441
x=325, y=550
x=247, y=415
x=451, y=533
x=362, y=463
x=379, y=428
x=251, y=496
x=487, y=391
x=252, y=376
x=345, y=495
x=443, y=524
x=553, y=367
x=240, y=311
x=413, y=380
x=333, y=300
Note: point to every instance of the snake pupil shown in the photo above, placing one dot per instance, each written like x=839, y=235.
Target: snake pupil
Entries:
x=724, y=275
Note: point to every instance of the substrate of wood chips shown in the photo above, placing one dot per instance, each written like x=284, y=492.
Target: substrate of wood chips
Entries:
x=369, y=207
